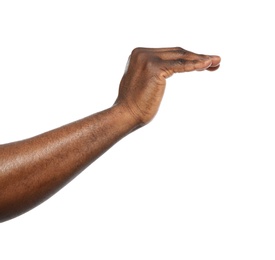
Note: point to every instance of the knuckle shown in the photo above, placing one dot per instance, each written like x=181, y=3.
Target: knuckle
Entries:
x=181, y=62
x=136, y=50
x=180, y=50
x=139, y=54
x=139, y=51
x=145, y=57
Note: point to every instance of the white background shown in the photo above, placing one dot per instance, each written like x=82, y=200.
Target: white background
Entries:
x=198, y=181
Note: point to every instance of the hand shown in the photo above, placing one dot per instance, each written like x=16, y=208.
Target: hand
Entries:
x=143, y=84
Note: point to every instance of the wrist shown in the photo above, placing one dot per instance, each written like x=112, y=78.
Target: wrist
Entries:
x=126, y=117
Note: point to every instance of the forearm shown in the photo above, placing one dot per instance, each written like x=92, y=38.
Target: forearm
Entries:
x=34, y=169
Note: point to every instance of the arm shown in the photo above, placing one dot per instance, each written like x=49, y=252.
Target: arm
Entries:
x=34, y=169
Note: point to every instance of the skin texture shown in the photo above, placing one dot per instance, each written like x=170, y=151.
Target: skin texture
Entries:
x=34, y=169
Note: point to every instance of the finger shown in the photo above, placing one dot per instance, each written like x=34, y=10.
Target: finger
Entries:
x=181, y=54
x=158, y=50
x=175, y=53
x=178, y=53
x=169, y=53
x=182, y=65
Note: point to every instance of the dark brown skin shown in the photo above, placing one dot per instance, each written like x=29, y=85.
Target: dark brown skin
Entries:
x=34, y=169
